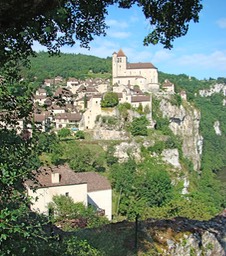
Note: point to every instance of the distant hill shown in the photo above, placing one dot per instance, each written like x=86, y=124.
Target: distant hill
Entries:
x=67, y=65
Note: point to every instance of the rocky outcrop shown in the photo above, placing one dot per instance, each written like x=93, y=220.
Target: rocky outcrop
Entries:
x=184, y=122
x=171, y=156
x=217, y=88
x=216, y=127
x=104, y=134
x=181, y=236
x=127, y=149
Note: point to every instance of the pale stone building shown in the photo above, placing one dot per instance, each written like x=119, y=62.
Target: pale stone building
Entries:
x=168, y=87
x=145, y=75
x=88, y=188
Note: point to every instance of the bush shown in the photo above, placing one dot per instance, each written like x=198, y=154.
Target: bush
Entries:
x=110, y=100
x=80, y=135
x=139, y=126
x=64, y=132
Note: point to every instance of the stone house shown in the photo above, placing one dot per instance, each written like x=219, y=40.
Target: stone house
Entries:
x=63, y=120
x=63, y=94
x=48, y=82
x=88, y=188
x=41, y=91
x=144, y=100
x=92, y=111
x=40, y=96
x=73, y=84
x=42, y=121
x=168, y=87
x=183, y=95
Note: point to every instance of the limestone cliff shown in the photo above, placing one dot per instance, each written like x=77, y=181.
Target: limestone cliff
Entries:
x=184, y=122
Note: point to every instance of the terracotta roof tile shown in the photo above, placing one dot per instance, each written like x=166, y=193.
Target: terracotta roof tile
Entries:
x=140, y=65
x=140, y=98
x=95, y=181
x=121, y=53
x=39, y=118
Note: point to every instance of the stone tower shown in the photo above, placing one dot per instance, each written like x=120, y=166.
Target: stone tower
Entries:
x=119, y=64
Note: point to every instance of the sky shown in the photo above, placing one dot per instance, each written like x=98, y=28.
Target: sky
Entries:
x=200, y=53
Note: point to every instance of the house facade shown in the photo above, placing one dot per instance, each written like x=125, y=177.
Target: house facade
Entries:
x=88, y=188
x=145, y=75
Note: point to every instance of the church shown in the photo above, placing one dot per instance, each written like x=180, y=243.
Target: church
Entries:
x=145, y=75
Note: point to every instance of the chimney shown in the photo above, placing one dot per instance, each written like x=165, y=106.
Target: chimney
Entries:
x=55, y=177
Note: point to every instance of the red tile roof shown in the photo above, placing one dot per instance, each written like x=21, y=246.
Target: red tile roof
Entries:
x=140, y=98
x=140, y=65
x=38, y=118
x=95, y=181
x=74, y=117
x=121, y=53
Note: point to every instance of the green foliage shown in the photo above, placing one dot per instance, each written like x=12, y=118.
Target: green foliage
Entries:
x=140, y=186
x=162, y=123
x=80, y=135
x=65, y=208
x=67, y=65
x=64, y=132
x=83, y=158
x=140, y=109
x=46, y=142
x=110, y=100
x=123, y=110
x=147, y=110
x=56, y=154
x=212, y=110
x=158, y=147
x=74, y=246
x=139, y=126
x=110, y=158
x=156, y=185
x=176, y=100
x=19, y=229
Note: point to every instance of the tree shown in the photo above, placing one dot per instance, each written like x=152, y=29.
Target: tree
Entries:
x=64, y=132
x=20, y=230
x=63, y=22
x=65, y=208
x=110, y=100
x=139, y=126
x=80, y=135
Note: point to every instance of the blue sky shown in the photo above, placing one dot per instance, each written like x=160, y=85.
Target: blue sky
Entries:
x=201, y=53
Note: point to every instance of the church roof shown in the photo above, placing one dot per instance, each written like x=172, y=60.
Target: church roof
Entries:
x=140, y=65
x=121, y=53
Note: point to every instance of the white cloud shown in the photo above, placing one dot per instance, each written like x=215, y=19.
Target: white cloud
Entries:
x=216, y=60
x=221, y=23
x=119, y=35
x=162, y=55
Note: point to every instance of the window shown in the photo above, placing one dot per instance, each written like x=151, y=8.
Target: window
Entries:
x=67, y=194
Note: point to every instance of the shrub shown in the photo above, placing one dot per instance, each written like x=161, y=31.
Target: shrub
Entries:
x=110, y=100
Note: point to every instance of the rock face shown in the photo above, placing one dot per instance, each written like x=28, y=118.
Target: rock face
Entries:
x=171, y=156
x=216, y=127
x=184, y=122
x=103, y=134
x=181, y=236
x=125, y=149
x=217, y=88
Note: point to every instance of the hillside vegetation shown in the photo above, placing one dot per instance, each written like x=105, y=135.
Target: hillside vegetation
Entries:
x=81, y=66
